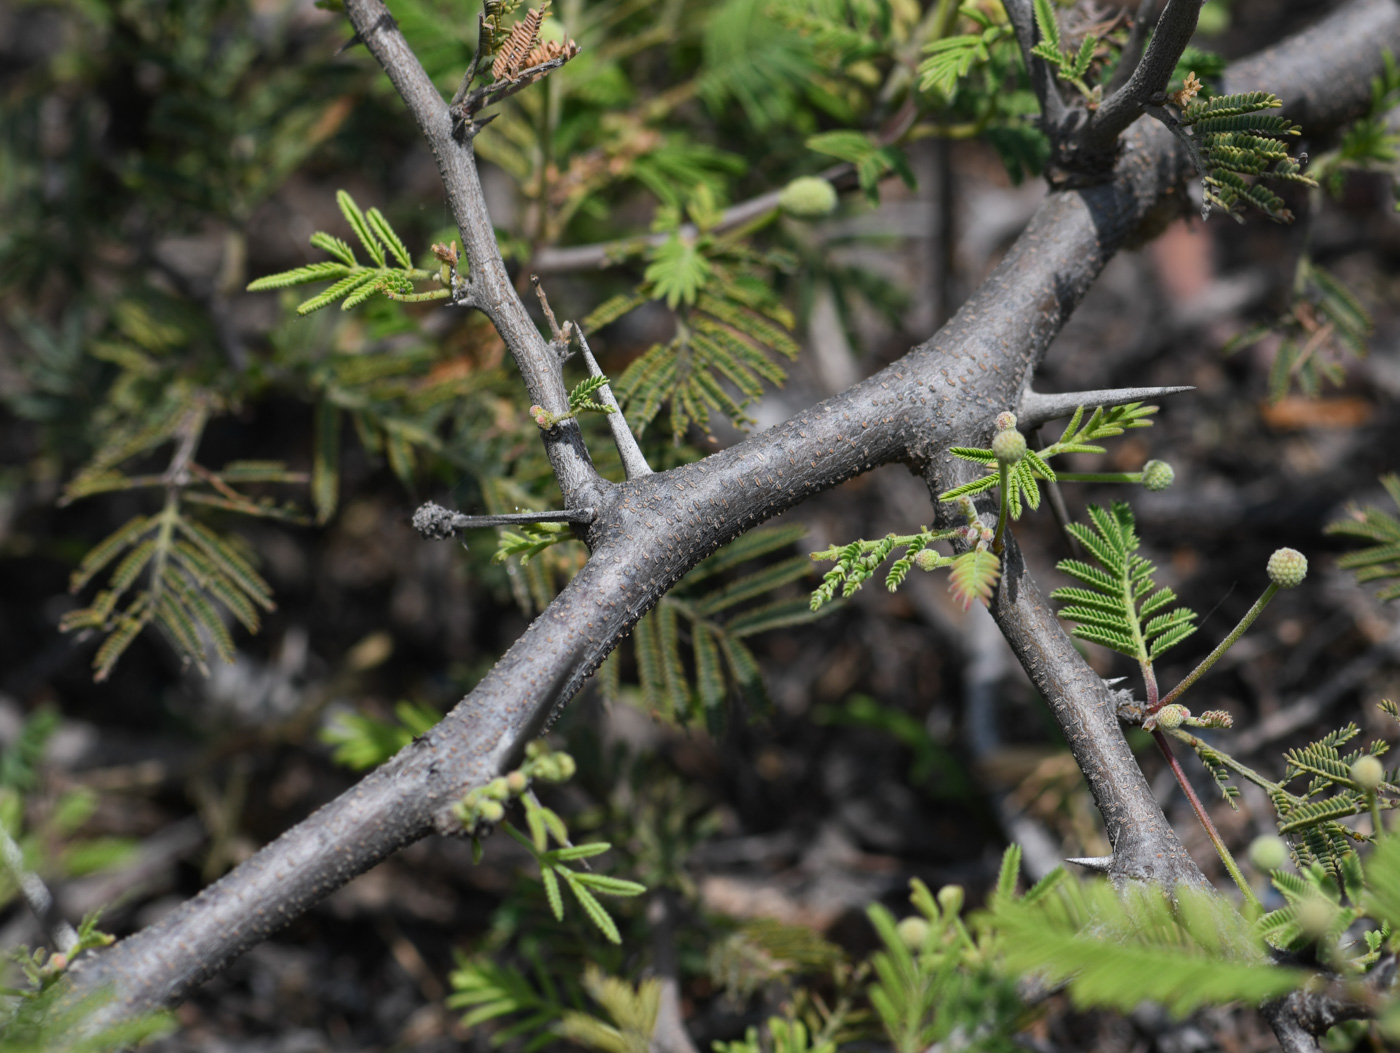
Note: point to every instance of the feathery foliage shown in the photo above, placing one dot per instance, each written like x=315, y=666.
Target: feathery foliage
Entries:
x=1379, y=561
x=360, y=742
x=352, y=283
x=1117, y=949
x=1234, y=139
x=718, y=606
x=1324, y=326
x=1079, y=436
x=1121, y=607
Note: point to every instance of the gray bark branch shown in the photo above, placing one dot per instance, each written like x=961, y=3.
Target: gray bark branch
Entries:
x=649, y=531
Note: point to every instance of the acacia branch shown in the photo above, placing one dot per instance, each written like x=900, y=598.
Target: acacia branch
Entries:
x=1150, y=76
x=493, y=293
x=649, y=531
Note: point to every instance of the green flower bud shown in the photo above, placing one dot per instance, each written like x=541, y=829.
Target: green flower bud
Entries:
x=950, y=900
x=1368, y=773
x=913, y=932
x=1006, y=421
x=491, y=811
x=1315, y=915
x=1009, y=446
x=496, y=789
x=517, y=782
x=1157, y=475
x=1287, y=568
x=1172, y=716
x=567, y=767
x=536, y=748
x=1268, y=852
x=809, y=197
x=926, y=559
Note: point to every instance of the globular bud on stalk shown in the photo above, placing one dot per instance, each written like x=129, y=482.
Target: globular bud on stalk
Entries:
x=1368, y=773
x=950, y=900
x=517, y=782
x=1009, y=446
x=1268, y=852
x=913, y=932
x=1287, y=568
x=1157, y=475
x=1171, y=716
x=1006, y=421
x=926, y=559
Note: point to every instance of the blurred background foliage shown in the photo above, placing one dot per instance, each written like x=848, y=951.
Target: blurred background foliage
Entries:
x=243, y=468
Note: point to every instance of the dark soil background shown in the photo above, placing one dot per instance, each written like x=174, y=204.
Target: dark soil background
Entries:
x=816, y=810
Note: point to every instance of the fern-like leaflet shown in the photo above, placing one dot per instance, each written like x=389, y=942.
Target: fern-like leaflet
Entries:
x=1120, y=606
x=1380, y=561
x=1235, y=139
x=1079, y=436
x=718, y=619
x=354, y=282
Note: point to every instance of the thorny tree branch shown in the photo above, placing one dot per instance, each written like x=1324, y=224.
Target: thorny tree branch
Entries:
x=649, y=531
x=1150, y=76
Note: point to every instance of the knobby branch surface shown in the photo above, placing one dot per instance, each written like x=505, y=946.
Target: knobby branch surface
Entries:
x=649, y=531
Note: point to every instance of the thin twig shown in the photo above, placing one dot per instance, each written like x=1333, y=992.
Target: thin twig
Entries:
x=634, y=463
x=1149, y=78
x=36, y=895
x=1132, y=48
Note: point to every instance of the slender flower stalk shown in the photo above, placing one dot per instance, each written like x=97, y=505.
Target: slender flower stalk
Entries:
x=1287, y=569
x=1215, y=839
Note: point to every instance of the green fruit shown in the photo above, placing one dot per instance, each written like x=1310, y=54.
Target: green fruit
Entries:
x=808, y=197
x=1009, y=446
x=1287, y=568
x=1157, y=475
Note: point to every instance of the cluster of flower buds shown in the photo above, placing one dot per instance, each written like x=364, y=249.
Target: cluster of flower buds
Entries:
x=1176, y=715
x=486, y=805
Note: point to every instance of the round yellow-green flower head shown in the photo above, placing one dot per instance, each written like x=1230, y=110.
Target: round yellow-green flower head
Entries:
x=912, y=932
x=808, y=197
x=1268, y=852
x=1157, y=475
x=1009, y=446
x=1367, y=773
x=1287, y=568
x=1171, y=716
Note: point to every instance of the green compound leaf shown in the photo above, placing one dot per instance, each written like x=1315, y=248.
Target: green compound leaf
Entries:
x=678, y=271
x=1121, y=592
x=974, y=576
x=1379, y=561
